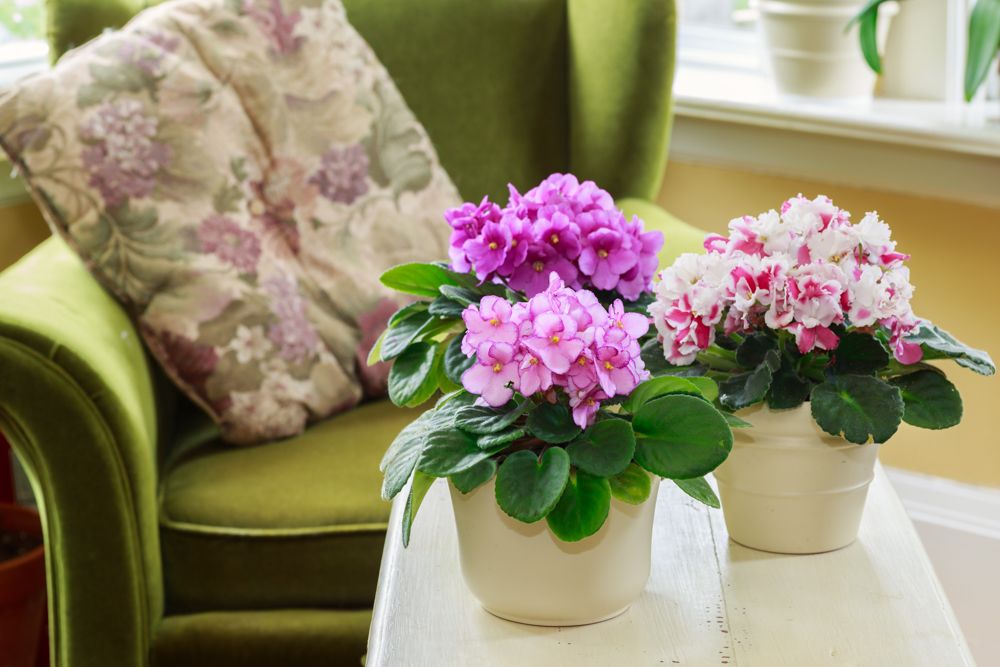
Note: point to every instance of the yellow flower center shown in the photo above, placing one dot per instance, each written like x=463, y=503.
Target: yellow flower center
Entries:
x=497, y=367
x=602, y=253
x=494, y=322
x=513, y=243
x=493, y=245
x=554, y=238
x=607, y=365
x=582, y=361
x=619, y=324
x=538, y=266
x=590, y=401
x=532, y=361
x=555, y=339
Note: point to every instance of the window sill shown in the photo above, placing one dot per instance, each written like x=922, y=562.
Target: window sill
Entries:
x=731, y=116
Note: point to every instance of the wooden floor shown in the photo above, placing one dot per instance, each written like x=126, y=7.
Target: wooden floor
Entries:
x=708, y=602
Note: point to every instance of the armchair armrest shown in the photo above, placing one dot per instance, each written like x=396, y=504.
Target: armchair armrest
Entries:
x=77, y=404
x=678, y=236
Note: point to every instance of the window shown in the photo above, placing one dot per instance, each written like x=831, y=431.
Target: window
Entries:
x=719, y=33
x=22, y=38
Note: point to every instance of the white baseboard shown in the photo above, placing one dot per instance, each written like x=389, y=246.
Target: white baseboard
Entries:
x=949, y=504
x=959, y=525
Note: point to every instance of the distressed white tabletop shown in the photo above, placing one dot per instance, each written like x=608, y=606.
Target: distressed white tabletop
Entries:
x=709, y=601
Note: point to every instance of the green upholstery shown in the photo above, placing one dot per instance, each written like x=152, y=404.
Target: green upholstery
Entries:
x=302, y=520
x=167, y=548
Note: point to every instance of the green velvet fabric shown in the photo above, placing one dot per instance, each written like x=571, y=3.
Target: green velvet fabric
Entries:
x=283, y=638
x=508, y=90
x=76, y=402
x=302, y=519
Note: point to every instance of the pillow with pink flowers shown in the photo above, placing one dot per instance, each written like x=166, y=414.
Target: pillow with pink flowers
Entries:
x=238, y=175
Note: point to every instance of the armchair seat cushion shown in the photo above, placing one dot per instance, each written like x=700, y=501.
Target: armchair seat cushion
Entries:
x=268, y=527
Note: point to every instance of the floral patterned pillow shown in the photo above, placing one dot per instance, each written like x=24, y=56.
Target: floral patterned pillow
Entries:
x=238, y=174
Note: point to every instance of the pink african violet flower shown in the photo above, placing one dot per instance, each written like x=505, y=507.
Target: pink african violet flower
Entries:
x=561, y=338
x=493, y=373
x=489, y=321
x=561, y=225
x=802, y=270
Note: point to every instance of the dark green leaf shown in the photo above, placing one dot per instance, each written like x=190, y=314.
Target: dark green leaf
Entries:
x=859, y=354
x=405, y=332
x=461, y=295
x=604, y=449
x=681, y=437
x=745, y=389
x=419, y=279
x=482, y=419
x=654, y=358
x=984, y=39
x=632, y=485
x=750, y=353
x=412, y=378
x=455, y=361
x=736, y=422
x=700, y=490
x=859, y=408
x=492, y=441
x=472, y=478
x=868, y=37
x=788, y=390
x=406, y=311
x=418, y=489
x=668, y=384
x=527, y=487
x=445, y=307
x=448, y=451
x=929, y=400
x=404, y=452
x=552, y=422
x=582, y=509
x=939, y=344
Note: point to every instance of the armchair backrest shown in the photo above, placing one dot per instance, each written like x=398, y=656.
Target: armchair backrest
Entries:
x=509, y=90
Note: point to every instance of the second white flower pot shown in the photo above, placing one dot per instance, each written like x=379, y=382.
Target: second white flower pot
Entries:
x=811, y=50
x=788, y=487
x=524, y=573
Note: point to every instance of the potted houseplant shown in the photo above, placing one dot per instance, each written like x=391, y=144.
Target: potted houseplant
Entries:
x=551, y=432
x=810, y=52
x=982, y=46
x=804, y=319
x=22, y=585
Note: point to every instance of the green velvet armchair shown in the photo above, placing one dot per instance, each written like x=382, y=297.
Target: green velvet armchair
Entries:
x=166, y=547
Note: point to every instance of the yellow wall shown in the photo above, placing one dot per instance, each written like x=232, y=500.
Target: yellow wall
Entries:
x=21, y=228
x=956, y=256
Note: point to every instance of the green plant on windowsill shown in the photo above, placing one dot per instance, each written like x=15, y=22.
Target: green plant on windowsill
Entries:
x=984, y=40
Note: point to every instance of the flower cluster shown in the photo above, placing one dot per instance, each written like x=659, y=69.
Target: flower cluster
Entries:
x=561, y=226
x=802, y=270
x=560, y=338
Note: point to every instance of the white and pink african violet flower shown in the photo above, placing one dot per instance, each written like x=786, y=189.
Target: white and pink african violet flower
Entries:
x=802, y=270
x=561, y=226
x=561, y=338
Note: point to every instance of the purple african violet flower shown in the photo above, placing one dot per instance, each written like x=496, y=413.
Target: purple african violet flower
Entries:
x=585, y=405
x=488, y=251
x=548, y=229
x=495, y=369
x=534, y=376
x=343, y=174
x=222, y=236
x=553, y=340
x=606, y=255
x=123, y=156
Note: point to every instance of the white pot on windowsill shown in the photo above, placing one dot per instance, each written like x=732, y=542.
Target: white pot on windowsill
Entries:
x=812, y=53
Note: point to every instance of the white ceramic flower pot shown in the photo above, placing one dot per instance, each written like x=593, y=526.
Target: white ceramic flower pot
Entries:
x=788, y=487
x=524, y=573
x=811, y=54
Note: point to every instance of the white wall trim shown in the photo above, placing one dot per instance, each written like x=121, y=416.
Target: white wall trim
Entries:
x=949, y=504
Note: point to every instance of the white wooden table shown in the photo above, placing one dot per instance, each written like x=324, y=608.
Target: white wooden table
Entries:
x=709, y=601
